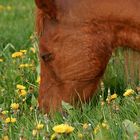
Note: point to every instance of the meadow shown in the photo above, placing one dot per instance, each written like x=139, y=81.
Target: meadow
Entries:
x=114, y=114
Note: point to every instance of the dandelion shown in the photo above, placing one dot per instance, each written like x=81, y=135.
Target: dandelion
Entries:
x=14, y=106
x=22, y=92
x=53, y=136
x=38, y=80
x=33, y=49
x=7, y=120
x=23, y=51
x=80, y=135
x=85, y=125
x=34, y=132
x=2, y=8
x=112, y=97
x=25, y=65
x=17, y=54
x=10, y=120
x=128, y=92
x=20, y=87
x=5, y=138
x=1, y=60
x=96, y=129
x=13, y=120
x=63, y=128
x=105, y=125
x=5, y=112
x=39, y=126
x=9, y=8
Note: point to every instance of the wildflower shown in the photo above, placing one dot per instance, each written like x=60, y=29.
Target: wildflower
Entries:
x=2, y=8
x=38, y=79
x=129, y=92
x=53, y=136
x=112, y=97
x=80, y=135
x=96, y=129
x=39, y=126
x=5, y=138
x=14, y=106
x=17, y=54
x=1, y=60
x=5, y=112
x=63, y=128
x=22, y=92
x=33, y=49
x=25, y=65
x=34, y=132
x=21, y=87
x=13, y=120
x=7, y=120
x=85, y=125
x=105, y=125
x=10, y=120
x=9, y=8
x=23, y=51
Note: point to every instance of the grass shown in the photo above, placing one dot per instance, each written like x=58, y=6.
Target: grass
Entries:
x=116, y=119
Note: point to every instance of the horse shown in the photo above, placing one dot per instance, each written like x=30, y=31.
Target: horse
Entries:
x=76, y=41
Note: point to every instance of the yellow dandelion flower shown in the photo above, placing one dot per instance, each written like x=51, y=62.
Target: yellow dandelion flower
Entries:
x=80, y=135
x=105, y=125
x=114, y=96
x=5, y=112
x=34, y=132
x=25, y=65
x=1, y=60
x=5, y=138
x=69, y=129
x=13, y=120
x=23, y=51
x=38, y=80
x=17, y=54
x=85, y=125
x=53, y=136
x=129, y=92
x=39, y=126
x=22, y=92
x=33, y=49
x=9, y=8
x=63, y=128
x=21, y=87
x=96, y=129
x=7, y=120
x=2, y=8
x=14, y=106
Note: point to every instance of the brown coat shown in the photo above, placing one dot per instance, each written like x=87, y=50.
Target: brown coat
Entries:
x=77, y=38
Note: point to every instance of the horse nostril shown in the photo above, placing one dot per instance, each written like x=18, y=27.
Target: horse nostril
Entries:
x=47, y=57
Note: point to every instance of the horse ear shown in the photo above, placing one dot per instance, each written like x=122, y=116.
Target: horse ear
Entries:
x=47, y=6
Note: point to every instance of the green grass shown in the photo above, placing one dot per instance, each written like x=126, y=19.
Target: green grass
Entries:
x=121, y=116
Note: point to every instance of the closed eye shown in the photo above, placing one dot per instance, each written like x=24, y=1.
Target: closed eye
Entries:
x=47, y=57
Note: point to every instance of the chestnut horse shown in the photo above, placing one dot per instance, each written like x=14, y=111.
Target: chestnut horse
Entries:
x=76, y=40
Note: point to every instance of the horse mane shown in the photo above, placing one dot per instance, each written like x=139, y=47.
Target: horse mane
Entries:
x=40, y=19
x=47, y=10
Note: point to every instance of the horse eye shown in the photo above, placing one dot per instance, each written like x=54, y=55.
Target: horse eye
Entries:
x=47, y=57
